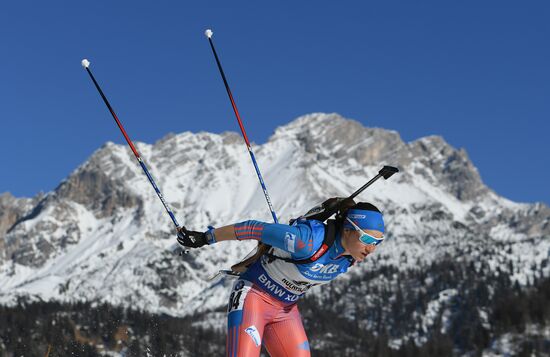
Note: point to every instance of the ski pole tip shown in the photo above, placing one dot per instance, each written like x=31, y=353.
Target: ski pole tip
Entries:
x=208, y=33
x=85, y=63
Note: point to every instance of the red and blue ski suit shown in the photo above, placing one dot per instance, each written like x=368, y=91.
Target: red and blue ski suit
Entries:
x=262, y=306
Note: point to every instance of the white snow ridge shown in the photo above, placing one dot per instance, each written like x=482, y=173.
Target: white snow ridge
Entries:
x=103, y=235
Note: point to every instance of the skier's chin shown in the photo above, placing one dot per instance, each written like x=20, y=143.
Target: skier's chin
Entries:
x=359, y=258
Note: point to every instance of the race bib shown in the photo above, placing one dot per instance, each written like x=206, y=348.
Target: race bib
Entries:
x=238, y=295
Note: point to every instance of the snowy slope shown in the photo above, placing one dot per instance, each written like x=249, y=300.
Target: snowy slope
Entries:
x=102, y=234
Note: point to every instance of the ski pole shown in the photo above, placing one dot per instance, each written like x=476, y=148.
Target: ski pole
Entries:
x=86, y=65
x=209, y=34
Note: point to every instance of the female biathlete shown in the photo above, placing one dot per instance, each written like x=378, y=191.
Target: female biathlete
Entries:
x=262, y=306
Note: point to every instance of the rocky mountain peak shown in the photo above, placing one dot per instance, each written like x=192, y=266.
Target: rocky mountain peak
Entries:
x=433, y=157
x=102, y=233
x=336, y=137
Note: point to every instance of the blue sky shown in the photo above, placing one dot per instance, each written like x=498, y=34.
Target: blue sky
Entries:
x=475, y=72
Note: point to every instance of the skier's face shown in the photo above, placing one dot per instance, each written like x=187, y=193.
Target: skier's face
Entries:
x=354, y=247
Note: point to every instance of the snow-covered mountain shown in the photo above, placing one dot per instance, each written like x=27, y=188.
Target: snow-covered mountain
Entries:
x=102, y=234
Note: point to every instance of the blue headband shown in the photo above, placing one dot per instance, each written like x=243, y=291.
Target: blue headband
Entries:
x=365, y=219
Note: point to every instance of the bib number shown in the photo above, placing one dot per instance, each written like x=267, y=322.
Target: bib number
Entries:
x=238, y=295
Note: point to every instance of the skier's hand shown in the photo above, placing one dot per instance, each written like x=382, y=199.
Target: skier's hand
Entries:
x=191, y=239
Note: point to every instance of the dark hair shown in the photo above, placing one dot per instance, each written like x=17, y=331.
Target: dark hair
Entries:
x=341, y=216
x=365, y=206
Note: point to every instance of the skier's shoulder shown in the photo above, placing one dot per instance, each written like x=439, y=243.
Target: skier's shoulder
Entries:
x=312, y=233
x=311, y=227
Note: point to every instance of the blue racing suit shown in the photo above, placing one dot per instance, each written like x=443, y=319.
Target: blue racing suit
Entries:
x=287, y=281
x=262, y=308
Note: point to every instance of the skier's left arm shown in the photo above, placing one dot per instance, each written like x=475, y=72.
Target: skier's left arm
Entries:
x=297, y=239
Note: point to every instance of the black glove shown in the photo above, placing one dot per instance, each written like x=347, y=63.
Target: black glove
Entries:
x=191, y=239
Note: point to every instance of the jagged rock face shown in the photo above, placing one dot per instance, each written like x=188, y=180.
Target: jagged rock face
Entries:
x=332, y=136
x=53, y=224
x=12, y=209
x=92, y=188
x=439, y=161
x=103, y=234
x=45, y=232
